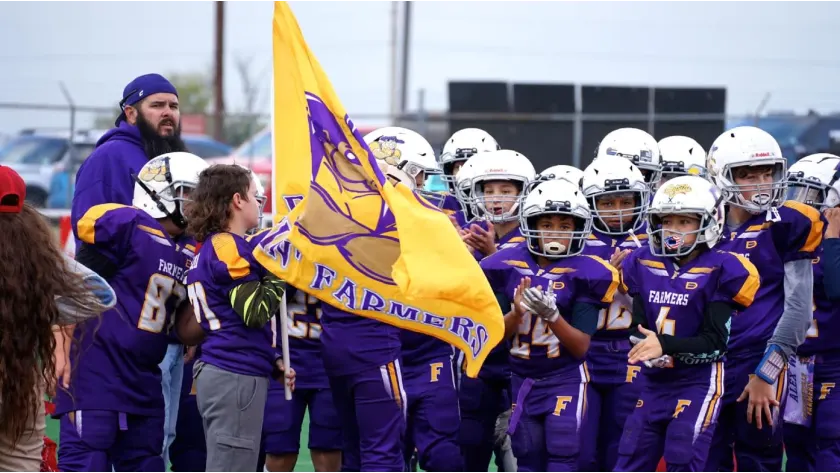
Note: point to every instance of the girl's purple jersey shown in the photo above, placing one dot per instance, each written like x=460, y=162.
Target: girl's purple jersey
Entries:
x=536, y=352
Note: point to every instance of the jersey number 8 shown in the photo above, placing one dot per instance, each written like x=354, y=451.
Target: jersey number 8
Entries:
x=153, y=314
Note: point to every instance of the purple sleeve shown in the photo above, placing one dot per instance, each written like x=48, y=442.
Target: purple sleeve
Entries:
x=799, y=233
x=232, y=263
x=495, y=276
x=831, y=268
x=100, y=181
x=629, y=275
x=108, y=227
x=738, y=281
x=600, y=283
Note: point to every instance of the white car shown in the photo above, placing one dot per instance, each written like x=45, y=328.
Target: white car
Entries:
x=37, y=155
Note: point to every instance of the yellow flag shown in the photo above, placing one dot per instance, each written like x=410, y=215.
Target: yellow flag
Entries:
x=347, y=235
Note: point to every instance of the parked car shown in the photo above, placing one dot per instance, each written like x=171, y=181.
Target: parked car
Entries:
x=63, y=178
x=205, y=146
x=36, y=155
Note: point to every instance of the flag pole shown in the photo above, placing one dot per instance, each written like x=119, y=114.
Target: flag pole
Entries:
x=275, y=208
x=284, y=344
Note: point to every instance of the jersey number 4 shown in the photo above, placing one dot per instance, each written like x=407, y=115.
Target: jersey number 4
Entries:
x=153, y=314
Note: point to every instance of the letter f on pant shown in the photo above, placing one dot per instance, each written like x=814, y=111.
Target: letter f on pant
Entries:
x=681, y=405
x=561, y=404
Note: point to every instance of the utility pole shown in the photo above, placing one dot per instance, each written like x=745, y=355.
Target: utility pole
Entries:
x=405, y=51
x=218, y=75
x=395, y=66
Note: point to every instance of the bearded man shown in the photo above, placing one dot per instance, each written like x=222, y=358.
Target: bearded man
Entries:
x=148, y=126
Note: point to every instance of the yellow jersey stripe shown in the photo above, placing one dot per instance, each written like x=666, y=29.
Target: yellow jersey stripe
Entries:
x=225, y=248
x=86, y=226
x=746, y=294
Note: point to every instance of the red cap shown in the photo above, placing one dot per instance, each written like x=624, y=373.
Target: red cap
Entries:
x=12, y=191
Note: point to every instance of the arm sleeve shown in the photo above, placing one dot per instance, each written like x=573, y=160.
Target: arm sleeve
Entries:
x=257, y=301
x=796, y=318
x=831, y=268
x=585, y=317
x=100, y=264
x=639, y=317
x=710, y=343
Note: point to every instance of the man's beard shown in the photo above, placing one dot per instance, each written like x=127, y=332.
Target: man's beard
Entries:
x=156, y=145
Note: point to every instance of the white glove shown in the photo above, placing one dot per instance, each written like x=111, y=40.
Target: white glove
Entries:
x=543, y=304
x=664, y=361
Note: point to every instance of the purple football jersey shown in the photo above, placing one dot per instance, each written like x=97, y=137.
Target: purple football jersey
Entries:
x=303, y=317
x=351, y=344
x=451, y=205
x=461, y=218
x=795, y=235
x=614, y=321
x=826, y=322
x=509, y=240
x=418, y=348
x=117, y=355
x=675, y=298
x=536, y=352
x=224, y=262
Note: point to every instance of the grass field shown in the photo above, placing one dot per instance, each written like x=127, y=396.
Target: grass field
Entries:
x=304, y=462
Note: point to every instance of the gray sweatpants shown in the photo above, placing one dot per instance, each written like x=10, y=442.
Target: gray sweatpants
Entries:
x=232, y=408
x=505, y=461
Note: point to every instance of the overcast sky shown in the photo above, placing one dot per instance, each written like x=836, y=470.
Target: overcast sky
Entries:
x=752, y=48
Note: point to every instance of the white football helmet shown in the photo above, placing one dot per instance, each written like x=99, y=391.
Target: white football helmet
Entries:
x=563, y=171
x=164, y=183
x=403, y=148
x=815, y=180
x=636, y=145
x=612, y=176
x=463, y=180
x=459, y=147
x=748, y=146
x=396, y=175
x=261, y=197
x=685, y=195
x=501, y=165
x=555, y=197
x=682, y=156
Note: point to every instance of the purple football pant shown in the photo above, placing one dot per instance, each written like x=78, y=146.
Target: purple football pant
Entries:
x=371, y=405
x=481, y=401
x=284, y=419
x=189, y=450
x=548, y=414
x=614, y=390
x=101, y=440
x=755, y=450
x=676, y=419
x=817, y=448
x=433, y=420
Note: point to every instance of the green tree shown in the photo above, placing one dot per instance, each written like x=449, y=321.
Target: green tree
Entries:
x=195, y=91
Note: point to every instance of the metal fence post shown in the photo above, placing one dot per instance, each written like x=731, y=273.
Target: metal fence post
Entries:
x=577, y=133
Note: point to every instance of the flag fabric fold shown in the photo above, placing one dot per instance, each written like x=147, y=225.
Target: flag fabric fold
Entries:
x=351, y=238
